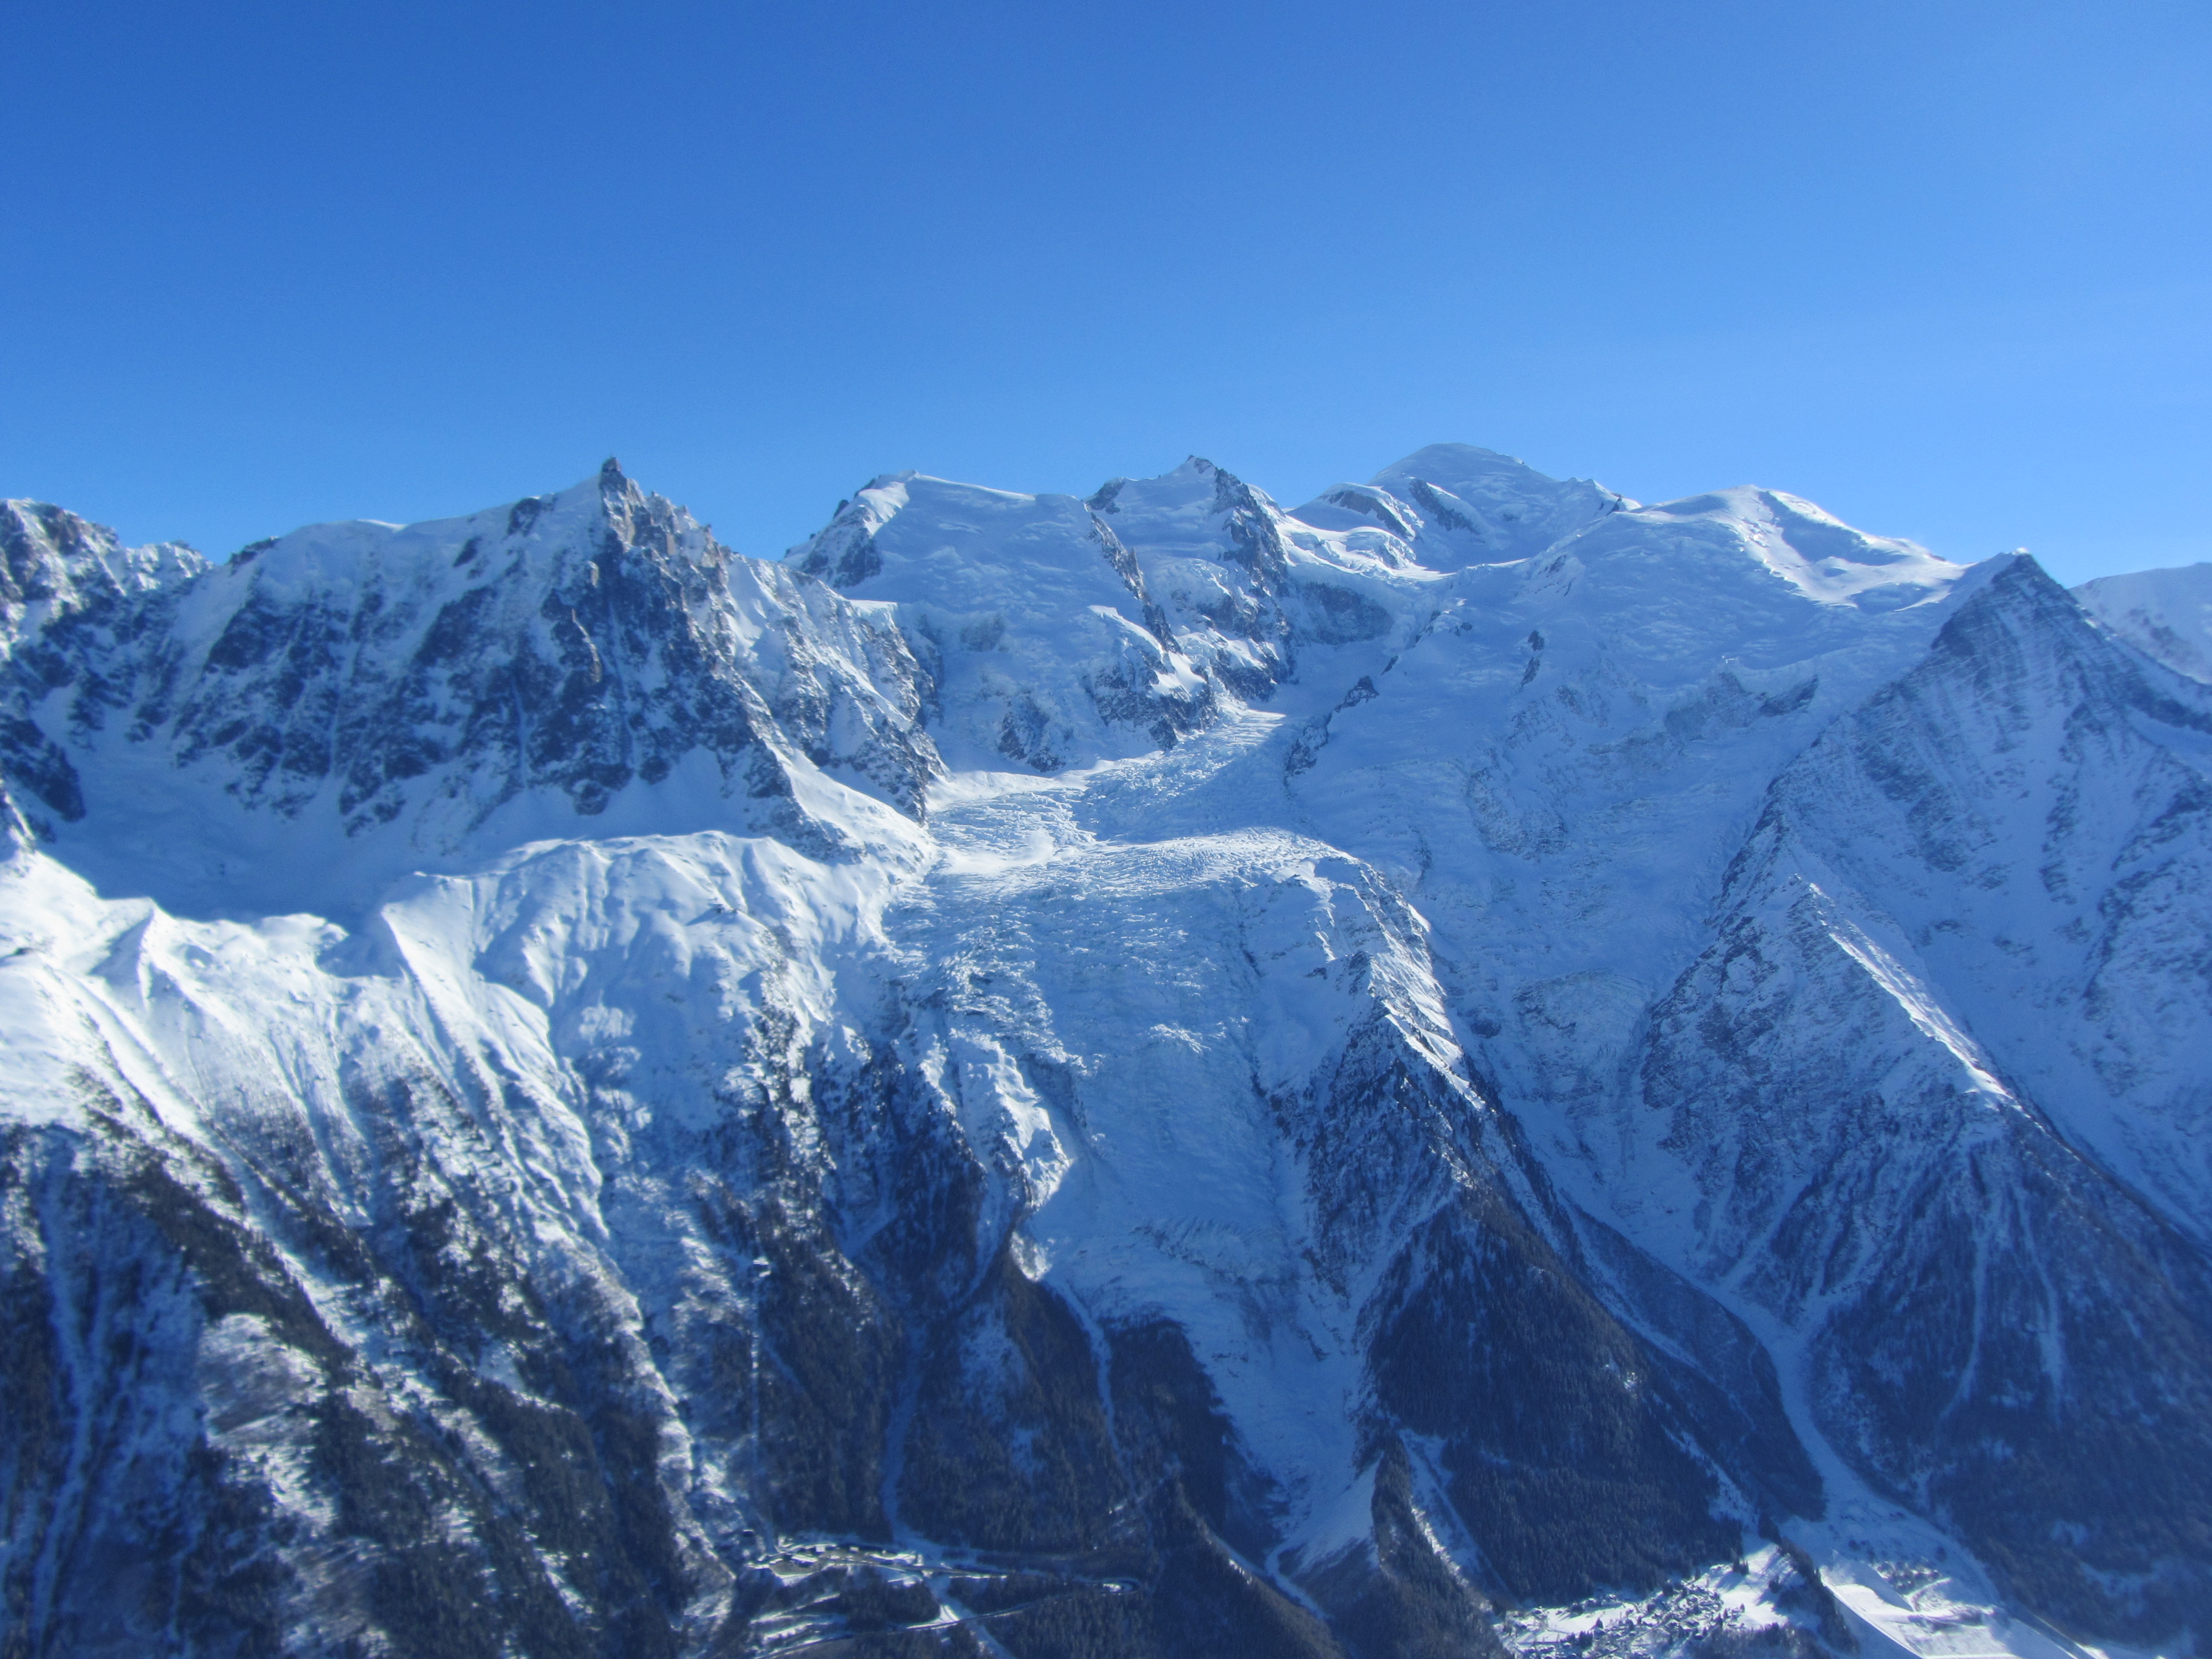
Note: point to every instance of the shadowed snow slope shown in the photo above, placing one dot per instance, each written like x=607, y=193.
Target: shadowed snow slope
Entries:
x=2167, y=613
x=1477, y=1063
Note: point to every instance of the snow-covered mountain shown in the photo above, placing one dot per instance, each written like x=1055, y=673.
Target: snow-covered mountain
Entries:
x=1474, y=1065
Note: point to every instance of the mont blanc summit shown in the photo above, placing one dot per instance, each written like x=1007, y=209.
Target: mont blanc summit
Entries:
x=1473, y=1066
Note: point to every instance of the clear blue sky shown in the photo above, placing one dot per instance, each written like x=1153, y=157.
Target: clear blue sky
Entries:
x=1947, y=269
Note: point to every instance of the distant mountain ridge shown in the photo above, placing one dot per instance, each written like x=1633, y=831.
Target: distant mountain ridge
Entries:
x=1474, y=1065
x=2165, y=614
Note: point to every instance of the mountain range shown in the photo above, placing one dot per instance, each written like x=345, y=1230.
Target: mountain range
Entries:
x=1475, y=1067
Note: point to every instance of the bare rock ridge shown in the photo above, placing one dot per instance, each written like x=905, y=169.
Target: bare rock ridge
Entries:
x=1475, y=1066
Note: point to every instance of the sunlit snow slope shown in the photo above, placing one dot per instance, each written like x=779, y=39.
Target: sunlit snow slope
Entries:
x=1475, y=1065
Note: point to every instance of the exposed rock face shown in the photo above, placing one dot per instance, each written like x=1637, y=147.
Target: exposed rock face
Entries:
x=1150, y=1076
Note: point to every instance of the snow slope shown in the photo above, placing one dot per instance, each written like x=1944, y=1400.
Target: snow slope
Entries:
x=2165, y=613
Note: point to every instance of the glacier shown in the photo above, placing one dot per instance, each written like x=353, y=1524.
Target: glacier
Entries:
x=1473, y=1066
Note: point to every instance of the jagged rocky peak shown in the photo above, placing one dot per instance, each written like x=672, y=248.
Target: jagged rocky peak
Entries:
x=52, y=562
x=424, y=690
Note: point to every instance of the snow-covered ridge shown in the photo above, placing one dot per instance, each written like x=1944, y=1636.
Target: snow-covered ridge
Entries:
x=2166, y=613
x=1146, y=1075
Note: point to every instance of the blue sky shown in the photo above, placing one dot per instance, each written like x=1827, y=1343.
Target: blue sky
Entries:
x=1942, y=268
